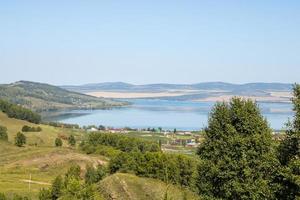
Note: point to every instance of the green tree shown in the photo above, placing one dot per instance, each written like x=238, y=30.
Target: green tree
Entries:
x=73, y=172
x=3, y=133
x=2, y=196
x=45, y=194
x=93, y=175
x=58, y=142
x=20, y=139
x=72, y=140
x=57, y=187
x=289, y=152
x=238, y=158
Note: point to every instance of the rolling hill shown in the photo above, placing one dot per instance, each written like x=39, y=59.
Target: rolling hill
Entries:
x=44, y=97
x=207, y=91
x=121, y=86
x=40, y=162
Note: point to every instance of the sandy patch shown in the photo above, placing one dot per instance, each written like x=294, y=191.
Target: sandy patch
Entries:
x=227, y=98
x=128, y=95
x=54, y=159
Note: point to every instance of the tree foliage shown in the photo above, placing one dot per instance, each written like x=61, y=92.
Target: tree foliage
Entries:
x=20, y=139
x=177, y=169
x=3, y=133
x=289, y=152
x=58, y=142
x=122, y=142
x=18, y=112
x=26, y=128
x=72, y=140
x=71, y=186
x=94, y=175
x=238, y=159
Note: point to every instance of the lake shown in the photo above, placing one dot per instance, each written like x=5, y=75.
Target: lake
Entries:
x=168, y=114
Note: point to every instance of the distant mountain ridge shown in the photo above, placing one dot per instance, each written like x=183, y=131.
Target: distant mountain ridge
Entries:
x=43, y=97
x=121, y=86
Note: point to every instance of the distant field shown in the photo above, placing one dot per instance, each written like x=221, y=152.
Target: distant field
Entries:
x=130, y=95
x=192, y=95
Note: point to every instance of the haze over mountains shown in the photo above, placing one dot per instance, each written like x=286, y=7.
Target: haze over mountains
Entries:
x=121, y=86
x=206, y=91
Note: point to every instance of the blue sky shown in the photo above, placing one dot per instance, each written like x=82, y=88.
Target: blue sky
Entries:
x=76, y=42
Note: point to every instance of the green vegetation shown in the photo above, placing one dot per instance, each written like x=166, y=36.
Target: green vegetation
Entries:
x=72, y=140
x=120, y=142
x=94, y=175
x=3, y=133
x=69, y=187
x=122, y=186
x=170, y=168
x=20, y=139
x=44, y=97
x=58, y=142
x=18, y=112
x=26, y=128
x=238, y=159
x=289, y=152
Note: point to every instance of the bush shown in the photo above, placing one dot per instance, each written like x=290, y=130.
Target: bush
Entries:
x=26, y=128
x=20, y=139
x=68, y=187
x=72, y=140
x=94, y=175
x=58, y=142
x=3, y=133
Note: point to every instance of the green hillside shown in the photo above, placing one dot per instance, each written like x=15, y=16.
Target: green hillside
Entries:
x=130, y=187
x=40, y=162
x=38, y=158
x=44, y=97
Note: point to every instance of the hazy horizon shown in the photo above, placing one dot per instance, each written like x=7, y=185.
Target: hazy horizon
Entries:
x=74, y=43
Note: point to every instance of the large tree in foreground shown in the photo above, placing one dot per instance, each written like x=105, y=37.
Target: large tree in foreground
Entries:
x=289, y=153
x=238, y=160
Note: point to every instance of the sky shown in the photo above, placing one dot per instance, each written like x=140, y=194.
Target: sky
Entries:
x=189, y=41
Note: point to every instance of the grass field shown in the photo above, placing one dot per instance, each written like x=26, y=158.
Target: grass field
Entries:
x=38, y=158
x=130, y=187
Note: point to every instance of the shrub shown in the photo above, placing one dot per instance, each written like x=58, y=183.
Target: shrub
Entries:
x=58, y=142
x=3, y=133
x=26, y=128
x=20, y=139
x=72, y=140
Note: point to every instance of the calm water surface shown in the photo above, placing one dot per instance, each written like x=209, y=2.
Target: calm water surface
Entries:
x=167, y=114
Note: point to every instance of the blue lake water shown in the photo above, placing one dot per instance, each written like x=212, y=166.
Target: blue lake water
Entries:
x=182, y=115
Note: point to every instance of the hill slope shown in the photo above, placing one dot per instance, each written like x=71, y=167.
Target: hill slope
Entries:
x=130, y=187
x=38, y=158
x=42, y=97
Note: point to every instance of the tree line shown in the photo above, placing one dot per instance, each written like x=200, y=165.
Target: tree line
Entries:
x=18, y=112
x=120, y=142
x=170, y=168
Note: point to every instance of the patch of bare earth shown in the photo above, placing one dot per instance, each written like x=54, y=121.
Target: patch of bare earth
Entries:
x=58, y=158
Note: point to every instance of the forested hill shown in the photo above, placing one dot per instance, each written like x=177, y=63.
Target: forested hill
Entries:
x=42, y=97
